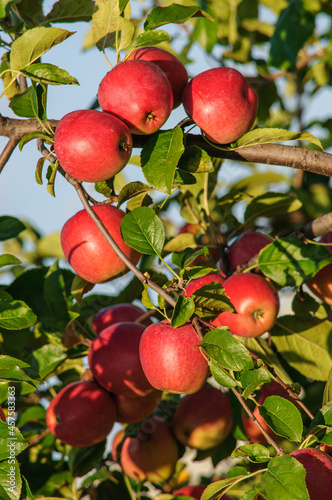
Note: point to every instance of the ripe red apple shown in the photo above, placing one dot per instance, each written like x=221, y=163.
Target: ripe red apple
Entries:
x=81, y=414
x=114, y=360
x=134, y=409
x=197, y=283
x=321, y=284
x=318, y=467
x=244, y=248
x=117, y=314
x=204, y=419
x=251, y=429
x=2, y=415
x=221, y=103
x=91, y=145
x=171, y=66
x=88, y=251
x=139, y=93
x=256, y=303
x=152, y=454
x=195, y=492
x=171, y=358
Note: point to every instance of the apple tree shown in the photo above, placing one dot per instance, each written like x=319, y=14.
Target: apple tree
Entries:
x=174, y=341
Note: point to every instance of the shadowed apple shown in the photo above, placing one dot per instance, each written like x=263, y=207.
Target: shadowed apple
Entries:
x=318, y=466
x=116, y=314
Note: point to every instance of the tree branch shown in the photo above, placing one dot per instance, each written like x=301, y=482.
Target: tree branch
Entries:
x=7, y=151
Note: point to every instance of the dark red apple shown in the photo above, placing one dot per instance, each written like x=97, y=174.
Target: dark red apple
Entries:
x=171, y=66
x=244, y=248
x=152, y=455
x=91, y=145
x=139, y=93
x=130, y=410
x=81, y=414
x=318, y=467
x=116, y=314
x=197, y=283
x=256, y=303
x=114, y=360
x=204, y=419
x=88, y=251
x=221, y=103
x=171, y=358
x=2, y=415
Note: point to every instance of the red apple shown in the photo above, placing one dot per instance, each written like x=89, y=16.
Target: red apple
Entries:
x=256, y=303
x=221, y=103
x=139, y=93
x=318, y=467
x=152, y=455
x=195, y=492
x=88, y=251
x=81, y=414
x=204, y=419
x=117, y=314
x=321, y=284
x=197, y=283
x=2, y=415
x=117, y=440
x=171, y=358
x=251, y=429
x=114, y=360
x=91, y=145
x=172, y=67
x=244, y=248
x=130, y=410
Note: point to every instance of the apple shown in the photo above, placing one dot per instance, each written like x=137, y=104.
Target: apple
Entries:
x=117, y=314
x=172, y=67
x=88, y=251
x=256, y=302
x=197, y=283
x=171, y=358
x=151, y=455
x=117, y=440
x=130, y=410
x=195, y=492
x=2, y=415
x=81, y=414
x=204, y=419
x=114, y=360
x=318, y=467
x=91, y=145
x=221, y=103
x=251, y=429
x=321, y=284
x=139, y=93
x=244, y=248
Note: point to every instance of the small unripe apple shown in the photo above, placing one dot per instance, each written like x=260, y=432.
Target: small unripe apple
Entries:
x=318, y=466
x=171, y=358
x=221, y=103
x=204, y=419
x=139, y=93
x=117, y=314
x=91, y=145
x=81, y=414
x=256, y=303
x=152, y=454
x=114, y=360
x=130, y=410
x=171, y=66
x=88, y=251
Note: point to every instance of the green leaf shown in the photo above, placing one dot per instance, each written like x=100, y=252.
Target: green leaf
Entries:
x=16, y=315
x=250, y=494
x=80, y=459
x=65, y=11
x=15, y=370
x=214, y=490
x=49, y=74
x=187, y=257
x=305, y=345
x=149, y=38
x=32, y=135
x=268, y=135
x=252, y=379
x=305, y=307
x=33, y=44
x=254, y=453
x=174, y=13
x=224, y=348
x=271, y=205
x=10, y=227
x=286, y=42
x=195, y=159
x=25, y=104
x=327, y=396
x=26, y=492
x=321, y=425
x=160, y=156
x=8, y=259
x=31, y=414
x=284, y=479
x=107, y=22
x=8, y=467
x=130, y=190
x=11, y=440
x=183, y=310
x=222, y=376
x=143, y=230
x=283, y=417
x=50, y=175
x=291, y=262
x=210, y=300
x=55, y=294
x=146, y=301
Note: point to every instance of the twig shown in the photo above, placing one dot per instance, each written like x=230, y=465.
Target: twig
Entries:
x=7, y=151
